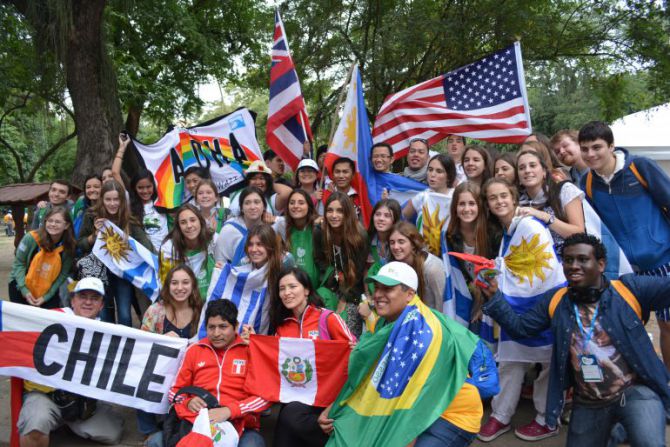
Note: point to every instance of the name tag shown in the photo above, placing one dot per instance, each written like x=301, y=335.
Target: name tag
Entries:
x=591, y=371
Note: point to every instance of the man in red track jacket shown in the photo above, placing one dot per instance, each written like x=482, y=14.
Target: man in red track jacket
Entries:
x=218, y=364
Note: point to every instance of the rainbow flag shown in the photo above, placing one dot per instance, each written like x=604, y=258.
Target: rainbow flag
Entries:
x=225, y=146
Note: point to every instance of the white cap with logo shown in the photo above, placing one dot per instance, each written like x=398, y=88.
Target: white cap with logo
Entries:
x=395, y=273
x=90, y=283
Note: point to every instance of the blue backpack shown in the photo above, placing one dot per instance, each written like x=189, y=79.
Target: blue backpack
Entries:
x=483, y=371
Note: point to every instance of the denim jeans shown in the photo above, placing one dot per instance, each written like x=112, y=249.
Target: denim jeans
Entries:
x=147, y=423
x=251, y=438
x=443, y=433
x=639, y=410
x=120, y=292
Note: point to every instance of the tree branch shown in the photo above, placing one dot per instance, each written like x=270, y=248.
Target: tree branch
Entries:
x=48, y=153
x=17, y=158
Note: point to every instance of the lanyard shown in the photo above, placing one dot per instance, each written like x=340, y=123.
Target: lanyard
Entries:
x=587, y=336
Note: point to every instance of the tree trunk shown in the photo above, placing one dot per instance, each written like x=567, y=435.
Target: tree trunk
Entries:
x=91, y=81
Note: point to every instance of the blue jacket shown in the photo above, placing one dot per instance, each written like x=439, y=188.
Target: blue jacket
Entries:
x=616, y=317
x=634, y=213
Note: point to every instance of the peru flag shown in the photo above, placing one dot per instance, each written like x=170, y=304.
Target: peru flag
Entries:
x=297, y=369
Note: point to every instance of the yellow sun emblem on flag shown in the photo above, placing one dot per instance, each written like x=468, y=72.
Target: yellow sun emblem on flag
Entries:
x=115, y=245
x=431, y=228
x=351, y=130
x=527, y=259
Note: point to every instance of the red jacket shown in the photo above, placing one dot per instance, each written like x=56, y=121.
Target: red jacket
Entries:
x=308, y=326
x=223, y=374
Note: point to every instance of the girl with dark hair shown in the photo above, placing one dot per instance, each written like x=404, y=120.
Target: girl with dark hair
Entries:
x=342, y=251
x=189, y=242
x=92, y=187
x=211, y=206
x=549, y=158
x=559, y=206
x=297, y=312
x=229, y=246
x=505, y=167
x=297, y=230
x=477, y=164
x=113, y=206
x=259, y=176
x=175, y=314
x=408, y=246
x=470, y=232
x=385, y=214
x=37, y=251
x=307, y=179
x=143, y=194
x=433, y=204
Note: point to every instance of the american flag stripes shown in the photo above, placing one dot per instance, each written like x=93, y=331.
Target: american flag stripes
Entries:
x=485, y=100
x=288, y=125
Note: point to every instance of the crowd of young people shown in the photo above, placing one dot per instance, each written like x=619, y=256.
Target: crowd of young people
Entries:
x=315, y=253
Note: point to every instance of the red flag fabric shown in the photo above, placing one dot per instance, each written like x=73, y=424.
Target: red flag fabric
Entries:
x=297, y=369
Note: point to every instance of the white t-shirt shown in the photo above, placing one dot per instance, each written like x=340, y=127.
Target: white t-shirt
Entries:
x=155, y=225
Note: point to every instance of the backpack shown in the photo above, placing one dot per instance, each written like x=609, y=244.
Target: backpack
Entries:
x=483, y=371
x=624, y=292
x=174, y=428
x=44, y=269
x=323, y=324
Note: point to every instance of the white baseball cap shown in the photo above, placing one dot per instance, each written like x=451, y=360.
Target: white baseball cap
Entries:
x=308, y=163
x=395, y=273
x=90, y=283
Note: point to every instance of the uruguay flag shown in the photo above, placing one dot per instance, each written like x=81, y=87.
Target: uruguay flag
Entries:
x=353, y=140
x=247, y=288
x=457, y=297
x=617, y=263
x=128, y=259
x=529, y=268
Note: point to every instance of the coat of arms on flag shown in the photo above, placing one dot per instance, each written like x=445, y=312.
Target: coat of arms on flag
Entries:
x=297, y=369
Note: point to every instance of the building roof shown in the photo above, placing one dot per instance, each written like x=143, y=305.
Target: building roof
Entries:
x=23, y=193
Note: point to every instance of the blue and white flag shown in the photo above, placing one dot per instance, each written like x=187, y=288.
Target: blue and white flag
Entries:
x=128, y=259
x=247, y=288
x=457, y=298
x=617, y=263
x=529, y=268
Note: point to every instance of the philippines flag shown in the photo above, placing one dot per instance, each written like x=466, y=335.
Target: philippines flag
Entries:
x=128, y=259
x=247, y=288
x=288, y=125
x=297, y=369
x=485, y=100
x=353, y=140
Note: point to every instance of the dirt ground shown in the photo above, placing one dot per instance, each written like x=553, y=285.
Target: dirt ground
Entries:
x=63, y=438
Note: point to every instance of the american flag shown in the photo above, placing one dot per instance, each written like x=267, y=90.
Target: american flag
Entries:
x=288, y=125
x=485, y=100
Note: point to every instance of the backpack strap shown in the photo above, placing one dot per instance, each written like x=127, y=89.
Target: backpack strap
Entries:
x=555, y=300
x=628, y=296
x=638, y=176
x=324, y=334
x=589, y=185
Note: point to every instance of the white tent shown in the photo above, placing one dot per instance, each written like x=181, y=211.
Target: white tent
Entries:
x=646, y=133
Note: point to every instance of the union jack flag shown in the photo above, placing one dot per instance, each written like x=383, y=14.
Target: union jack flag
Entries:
x=485, y=100
x=288, y=125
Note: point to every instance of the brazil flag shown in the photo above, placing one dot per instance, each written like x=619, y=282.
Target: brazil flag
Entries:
x=401, y=378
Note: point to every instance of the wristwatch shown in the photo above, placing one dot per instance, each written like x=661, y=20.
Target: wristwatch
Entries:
x=551, y=220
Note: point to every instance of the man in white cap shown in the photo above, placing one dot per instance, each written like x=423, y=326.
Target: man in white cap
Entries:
x=396, y=284
x=45, y=409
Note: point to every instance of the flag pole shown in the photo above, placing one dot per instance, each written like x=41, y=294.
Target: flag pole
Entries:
x=333, y=126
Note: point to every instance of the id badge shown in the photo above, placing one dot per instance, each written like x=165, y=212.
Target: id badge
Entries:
x=591, y=371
